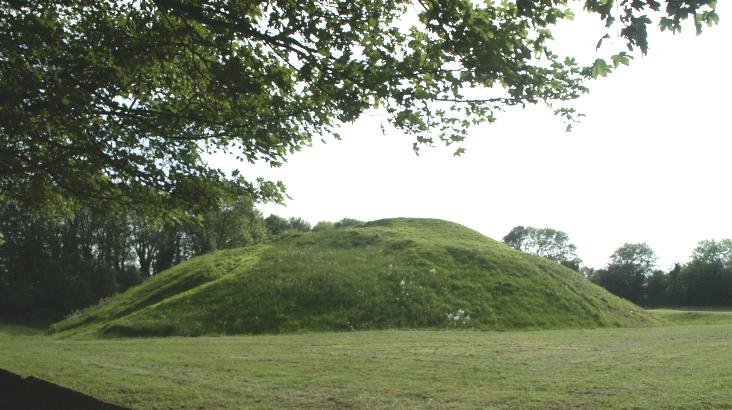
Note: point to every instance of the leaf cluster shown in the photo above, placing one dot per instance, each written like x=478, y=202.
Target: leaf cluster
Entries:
x=119, y=101
x=546, y=242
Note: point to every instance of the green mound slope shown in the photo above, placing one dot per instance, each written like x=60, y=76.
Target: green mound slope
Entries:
x=407, y=273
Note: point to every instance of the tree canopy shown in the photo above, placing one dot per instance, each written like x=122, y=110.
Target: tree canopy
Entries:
x=628, y=271
x=705, y=280
x=638, y=255
x=713, y=251
x=546, y=242
x=50, y=267
x=119, y=100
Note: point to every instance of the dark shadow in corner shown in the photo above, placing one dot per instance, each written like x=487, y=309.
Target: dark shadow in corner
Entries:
x=33, y=393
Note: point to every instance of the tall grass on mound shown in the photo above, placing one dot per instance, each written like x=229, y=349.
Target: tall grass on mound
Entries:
x=395, y=273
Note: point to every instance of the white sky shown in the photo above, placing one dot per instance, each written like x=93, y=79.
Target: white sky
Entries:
x=650, y=162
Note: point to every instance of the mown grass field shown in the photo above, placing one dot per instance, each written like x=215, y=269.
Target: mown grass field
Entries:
x=686, y=363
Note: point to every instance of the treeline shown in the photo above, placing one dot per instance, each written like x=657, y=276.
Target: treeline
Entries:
x=705, y=280
x=52, y=266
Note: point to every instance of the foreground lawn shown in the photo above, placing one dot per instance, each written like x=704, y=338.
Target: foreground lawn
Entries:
x=659, y=367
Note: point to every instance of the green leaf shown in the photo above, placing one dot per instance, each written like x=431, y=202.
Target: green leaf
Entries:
x=599, y=43
x=600, y=68
x=621, y=58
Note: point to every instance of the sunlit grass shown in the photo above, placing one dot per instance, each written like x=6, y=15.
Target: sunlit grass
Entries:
x=661, y=367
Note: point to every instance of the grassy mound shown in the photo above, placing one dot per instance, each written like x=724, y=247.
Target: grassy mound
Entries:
x=407, y=273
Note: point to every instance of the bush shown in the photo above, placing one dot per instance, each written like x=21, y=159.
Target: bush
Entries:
x=323, y=226
x=349, y=222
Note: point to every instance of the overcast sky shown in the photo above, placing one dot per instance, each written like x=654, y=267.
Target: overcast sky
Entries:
x=650, y=162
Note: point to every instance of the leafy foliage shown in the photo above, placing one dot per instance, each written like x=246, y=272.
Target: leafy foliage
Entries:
x=323, y=225
x=348, y=222
x=117, y=101
x=299, y=224
x=546, y=242
x=706, y=280
x=278, y=226
x=626, y=274
x=51, y=266
x=638, y=255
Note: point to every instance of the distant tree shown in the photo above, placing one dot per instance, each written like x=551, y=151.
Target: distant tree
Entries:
x=323, y=226
x=51, y=265
x=708, y=283
x=146, y=235
x=574, y=264
x=588, y=272
x=276, y=225
x=235, y=223
x=175, y=244
x=348, y=222
x=517, y=237
x=546, y=242
x=656, y=288
x=676, y=286
x=298, y=224
x=708, y=276
x=712, y=251
x=627, y=272
x=638, y=255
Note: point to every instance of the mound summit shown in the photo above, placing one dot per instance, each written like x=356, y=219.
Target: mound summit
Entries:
x=391, y=273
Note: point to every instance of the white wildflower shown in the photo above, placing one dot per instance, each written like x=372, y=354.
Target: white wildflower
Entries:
x=457, y=318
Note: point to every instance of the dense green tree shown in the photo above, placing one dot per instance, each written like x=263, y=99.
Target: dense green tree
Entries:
x=712, y=251
x=546, y=242
x=638, y=255
x=707, y=278
x=299, y=224
x=174, y=244
x=276, y=225
x=117, y=100
x=160, y=243
x=707, y=283
x=52, y=265
x=676, y=286
x=656, y=288
x=517, y=237
x=626, y=274
x=233, y=224
x=348, y=222
x=323, y=226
